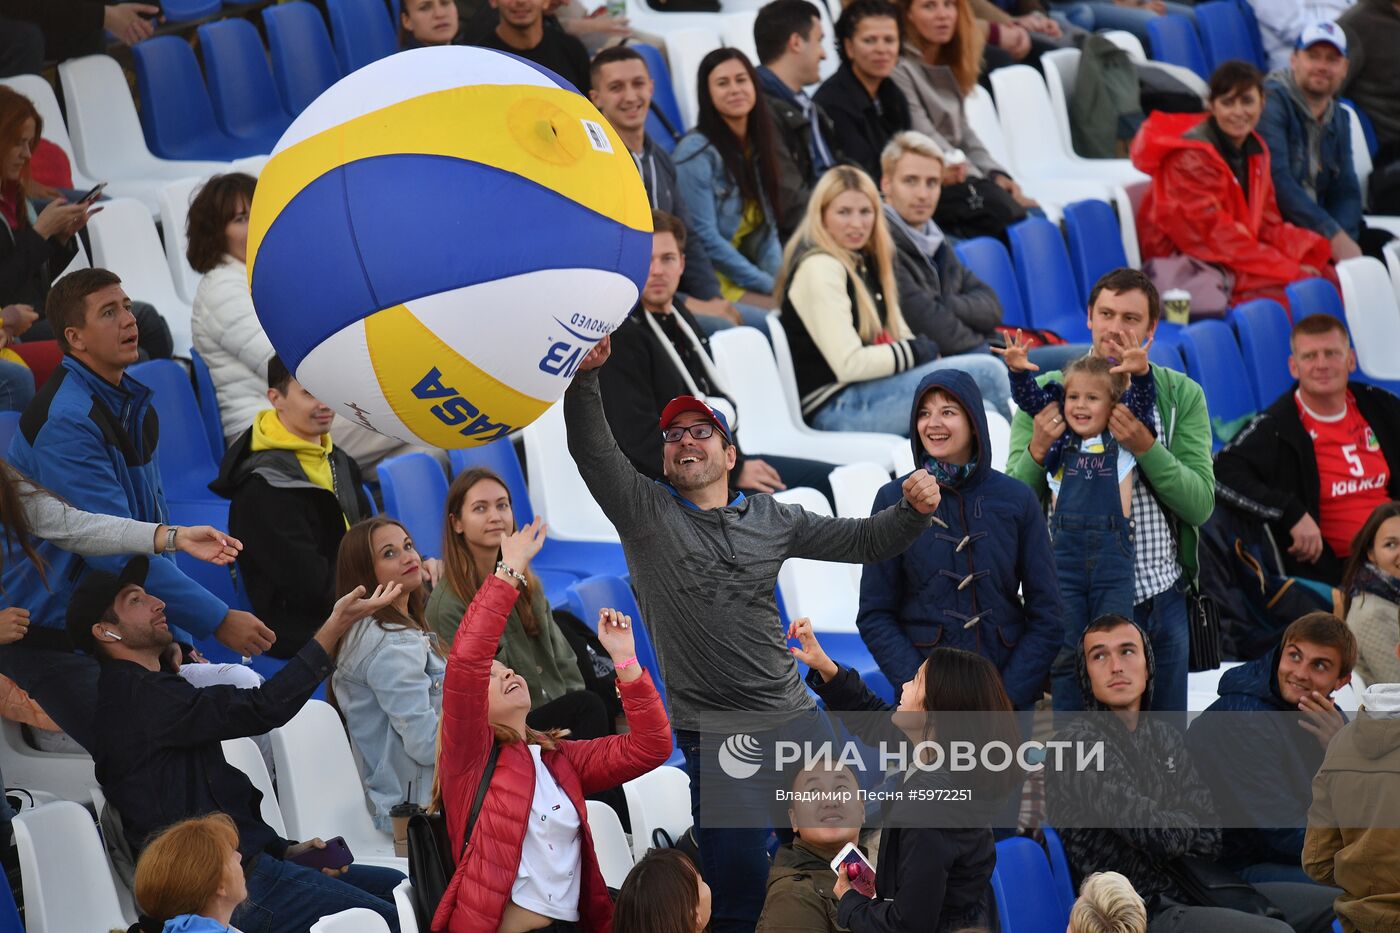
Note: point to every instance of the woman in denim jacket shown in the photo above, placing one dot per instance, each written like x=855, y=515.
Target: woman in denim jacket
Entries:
x=389, y=670
x=727, y=172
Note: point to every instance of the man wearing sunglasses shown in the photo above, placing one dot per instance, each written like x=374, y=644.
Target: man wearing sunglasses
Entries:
x=704, y=562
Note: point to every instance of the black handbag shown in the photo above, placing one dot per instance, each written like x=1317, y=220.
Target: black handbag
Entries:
x=1203, y=617
x=977, y=207
x=1207, y=883
x=430, y=861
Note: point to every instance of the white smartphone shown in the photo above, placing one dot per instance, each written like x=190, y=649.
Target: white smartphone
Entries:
x=863, y=877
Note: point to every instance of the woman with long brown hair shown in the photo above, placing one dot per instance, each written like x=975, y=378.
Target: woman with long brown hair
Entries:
x=727, y=172
x=938, y=68
x=935, y=866
x=389, y=669
x=479, y=516
x=1371, y=595
x=663, y=893
x=530, y=864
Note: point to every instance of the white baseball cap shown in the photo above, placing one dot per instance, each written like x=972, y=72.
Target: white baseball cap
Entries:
x=1324, y=32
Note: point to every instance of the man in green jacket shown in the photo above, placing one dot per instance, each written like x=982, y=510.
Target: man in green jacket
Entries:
x=1173, y=497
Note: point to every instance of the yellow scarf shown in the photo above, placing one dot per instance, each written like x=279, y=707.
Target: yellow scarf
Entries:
x=269, y=433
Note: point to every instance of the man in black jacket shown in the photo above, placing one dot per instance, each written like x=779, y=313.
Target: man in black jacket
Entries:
x=293, y=495
x=158, y=755
x=788, y=38
x=660, y=353
x=1317, y=461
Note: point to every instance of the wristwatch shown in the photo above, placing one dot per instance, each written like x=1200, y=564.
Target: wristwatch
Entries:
x=170, y=539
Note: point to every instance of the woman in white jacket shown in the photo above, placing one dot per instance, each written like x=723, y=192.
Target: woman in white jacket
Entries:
x=226, y=329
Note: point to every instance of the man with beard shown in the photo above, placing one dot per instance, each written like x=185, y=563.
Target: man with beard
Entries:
x=704, y=562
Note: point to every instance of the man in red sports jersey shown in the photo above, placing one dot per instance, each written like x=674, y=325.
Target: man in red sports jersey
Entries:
x=1318, y=460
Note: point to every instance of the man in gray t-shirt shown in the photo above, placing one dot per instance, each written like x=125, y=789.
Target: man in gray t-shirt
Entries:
x=705, y=563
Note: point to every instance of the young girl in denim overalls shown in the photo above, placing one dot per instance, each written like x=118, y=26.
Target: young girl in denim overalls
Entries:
x=1090, y=478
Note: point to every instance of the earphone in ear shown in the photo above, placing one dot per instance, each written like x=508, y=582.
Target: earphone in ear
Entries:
x=111, y=634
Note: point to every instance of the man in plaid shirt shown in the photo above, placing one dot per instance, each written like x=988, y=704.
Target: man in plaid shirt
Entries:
x=1174, y=493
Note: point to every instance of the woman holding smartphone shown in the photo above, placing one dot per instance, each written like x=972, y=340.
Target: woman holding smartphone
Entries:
x=935, y=864
x=530, y=864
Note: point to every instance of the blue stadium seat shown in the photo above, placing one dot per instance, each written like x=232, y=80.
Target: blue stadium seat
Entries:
x=1224, y=33
x=240, y=83
x=1256, y=38
x=663, y=94
x=1166, y=349
x=303, y=62
x=361, y=31
x=369, y=497
x=207, y=399
x=989, y=261
x=1027, y=900
x=1047, y=282
x=1213, y=359
x=1262, y=329
x=1368, y=129
x=182, y=11
x=1059, y=867
x=1313, y=296
x=1174, y=40
x=187, y=466
x=608, y=592
x=571, y=559
x=415, y=493
x=9, y=427
x=1095, y=243
x=176, y=114
x=878, y=683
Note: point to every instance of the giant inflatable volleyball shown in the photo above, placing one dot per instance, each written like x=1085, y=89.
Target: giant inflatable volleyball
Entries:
x=438, y=240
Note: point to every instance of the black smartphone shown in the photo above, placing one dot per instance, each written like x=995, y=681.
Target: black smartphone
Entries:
x=94, y=194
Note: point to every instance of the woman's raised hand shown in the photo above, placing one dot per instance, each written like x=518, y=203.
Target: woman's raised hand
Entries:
x=518, y=549
x=810, y=651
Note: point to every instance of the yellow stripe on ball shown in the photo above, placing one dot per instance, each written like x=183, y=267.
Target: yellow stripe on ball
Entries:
x=436, y=392
x=549, y=136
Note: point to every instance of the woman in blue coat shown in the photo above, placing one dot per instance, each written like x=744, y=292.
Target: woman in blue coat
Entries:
x=986, y=582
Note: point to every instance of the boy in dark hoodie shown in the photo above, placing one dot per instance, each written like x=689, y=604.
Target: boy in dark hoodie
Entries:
x=1262, y=766
x=293, y=494
x=978, y=581
x=1148, y=806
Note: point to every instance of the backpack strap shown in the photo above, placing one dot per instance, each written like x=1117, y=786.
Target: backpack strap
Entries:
x=481, y=789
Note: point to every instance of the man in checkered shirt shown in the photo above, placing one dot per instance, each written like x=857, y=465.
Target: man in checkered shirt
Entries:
x=1172, y=497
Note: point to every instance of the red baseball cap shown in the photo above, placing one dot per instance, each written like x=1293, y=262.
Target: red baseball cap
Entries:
x=683, y=403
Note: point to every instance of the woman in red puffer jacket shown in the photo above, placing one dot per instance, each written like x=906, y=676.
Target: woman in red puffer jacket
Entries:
x=1212, y=195
x=530, y=864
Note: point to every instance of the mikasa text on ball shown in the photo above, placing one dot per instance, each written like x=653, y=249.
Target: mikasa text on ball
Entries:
x=438, y=240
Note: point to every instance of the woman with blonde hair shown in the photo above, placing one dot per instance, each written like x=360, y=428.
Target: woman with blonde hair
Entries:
x=856, y=359
x=937, y=69
x=1108, y=903
x=190, y=878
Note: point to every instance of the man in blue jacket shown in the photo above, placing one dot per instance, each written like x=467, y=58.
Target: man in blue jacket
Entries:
x=957, y=585
x=90, y=436
x=1260, y=767
x=1309, y=139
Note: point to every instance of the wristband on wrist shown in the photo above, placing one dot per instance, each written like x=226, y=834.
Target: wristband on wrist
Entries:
x=630, y=662
x=510, y=572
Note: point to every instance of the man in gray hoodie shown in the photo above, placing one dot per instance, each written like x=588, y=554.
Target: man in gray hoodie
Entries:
x=704, y=563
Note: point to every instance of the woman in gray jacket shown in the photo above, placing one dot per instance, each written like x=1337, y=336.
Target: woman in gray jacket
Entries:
x=937, y=69
x=1371, y=595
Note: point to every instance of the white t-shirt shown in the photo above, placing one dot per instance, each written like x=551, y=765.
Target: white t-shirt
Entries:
x=551, y=858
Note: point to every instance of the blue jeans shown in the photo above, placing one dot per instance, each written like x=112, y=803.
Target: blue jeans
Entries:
x=735, y=860
x=16, y=386
x=1109, y=15
x=756, y=318
x=1163, y=618
x=285, y=897
x=884, y=404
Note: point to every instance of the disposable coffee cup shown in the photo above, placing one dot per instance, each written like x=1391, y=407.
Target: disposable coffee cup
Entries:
x=1176, y=306
x=399, y=815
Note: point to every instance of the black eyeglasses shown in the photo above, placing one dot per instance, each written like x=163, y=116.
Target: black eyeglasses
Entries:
x=700, y=430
